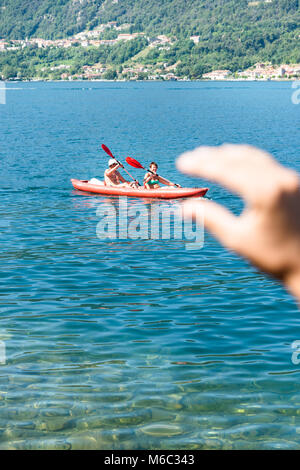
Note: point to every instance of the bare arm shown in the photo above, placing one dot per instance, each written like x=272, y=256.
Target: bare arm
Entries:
x=167, y=182
x=110, y=171
x=147, y=178
x=268, y=230
x=162, y=180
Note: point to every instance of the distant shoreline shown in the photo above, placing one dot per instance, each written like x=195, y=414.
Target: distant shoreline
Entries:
x=243, y=80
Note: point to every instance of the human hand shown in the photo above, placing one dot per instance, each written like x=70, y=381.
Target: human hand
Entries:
x=268, y=230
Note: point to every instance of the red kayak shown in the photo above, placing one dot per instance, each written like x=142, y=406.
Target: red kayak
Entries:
x=165, y=192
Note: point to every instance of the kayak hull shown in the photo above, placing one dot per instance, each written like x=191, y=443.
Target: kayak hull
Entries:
x=160, y=193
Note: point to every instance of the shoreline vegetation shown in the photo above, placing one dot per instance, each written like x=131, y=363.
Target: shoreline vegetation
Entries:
x=130, y=58
x=186, y=80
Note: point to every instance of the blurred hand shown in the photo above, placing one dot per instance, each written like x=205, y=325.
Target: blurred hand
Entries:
x=268, y=230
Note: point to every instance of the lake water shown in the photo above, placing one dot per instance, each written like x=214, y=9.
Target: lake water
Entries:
x=137, y=344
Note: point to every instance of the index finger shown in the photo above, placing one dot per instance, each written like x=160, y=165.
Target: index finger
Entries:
x=244, y=169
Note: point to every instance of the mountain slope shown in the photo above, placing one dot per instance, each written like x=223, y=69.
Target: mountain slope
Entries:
x=60, y=18
x=47, y=18
x=231, y=34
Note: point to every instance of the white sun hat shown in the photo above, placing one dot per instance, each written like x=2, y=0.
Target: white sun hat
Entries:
x=111, y=161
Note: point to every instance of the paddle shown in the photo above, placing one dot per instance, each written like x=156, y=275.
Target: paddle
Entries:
x=136, y=164
x=106, y=149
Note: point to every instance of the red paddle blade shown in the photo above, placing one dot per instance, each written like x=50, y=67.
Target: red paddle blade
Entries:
x=133, y=162
x=106, y=149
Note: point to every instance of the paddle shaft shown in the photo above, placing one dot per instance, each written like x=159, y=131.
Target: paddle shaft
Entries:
x=127, y=172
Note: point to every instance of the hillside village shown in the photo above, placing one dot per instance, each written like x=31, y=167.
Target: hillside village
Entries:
x=135, y=70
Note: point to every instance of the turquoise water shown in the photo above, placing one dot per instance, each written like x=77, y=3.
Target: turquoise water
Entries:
x=137, y=344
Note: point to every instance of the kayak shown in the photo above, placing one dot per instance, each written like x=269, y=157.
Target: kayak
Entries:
x=165, y=192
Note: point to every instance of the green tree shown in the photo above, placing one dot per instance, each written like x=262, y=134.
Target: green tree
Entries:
x=110, y=74
x=9, y=72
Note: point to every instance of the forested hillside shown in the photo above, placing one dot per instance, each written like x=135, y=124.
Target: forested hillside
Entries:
x=232, y=34
x=59, y=18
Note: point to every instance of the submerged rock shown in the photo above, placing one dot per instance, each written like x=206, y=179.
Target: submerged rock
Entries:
x=161, y=430
x=84, y=443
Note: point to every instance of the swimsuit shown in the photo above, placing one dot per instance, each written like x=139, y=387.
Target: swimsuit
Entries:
x=153, y=182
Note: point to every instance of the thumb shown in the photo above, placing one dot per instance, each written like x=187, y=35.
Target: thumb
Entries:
x=217, y=219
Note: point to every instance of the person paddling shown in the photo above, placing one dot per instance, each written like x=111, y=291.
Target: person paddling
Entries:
x=152, y=179
x=112, y=176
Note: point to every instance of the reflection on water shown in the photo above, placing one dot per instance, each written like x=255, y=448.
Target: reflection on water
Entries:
x=135, y=344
